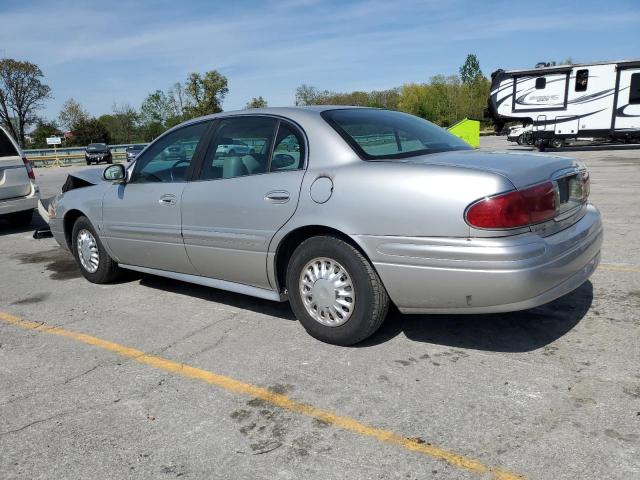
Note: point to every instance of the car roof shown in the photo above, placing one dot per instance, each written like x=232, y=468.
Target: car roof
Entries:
x=310, y=110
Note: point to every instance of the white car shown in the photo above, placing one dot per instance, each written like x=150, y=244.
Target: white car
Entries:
x=19, y=192
x=233, y=148
x=519, y=134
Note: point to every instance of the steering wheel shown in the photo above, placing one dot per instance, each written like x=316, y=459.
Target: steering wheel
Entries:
x=172, y=171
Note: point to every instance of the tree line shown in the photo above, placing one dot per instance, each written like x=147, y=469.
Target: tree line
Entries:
x=443, y=100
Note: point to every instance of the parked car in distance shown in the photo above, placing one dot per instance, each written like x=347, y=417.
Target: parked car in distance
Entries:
x=521, y=134
x=98, y=152
x=233, y=147
x=19, y=193
x=374, y=207
x=133, y=151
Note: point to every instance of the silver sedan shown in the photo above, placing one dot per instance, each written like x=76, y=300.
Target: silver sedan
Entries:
x=369, y=207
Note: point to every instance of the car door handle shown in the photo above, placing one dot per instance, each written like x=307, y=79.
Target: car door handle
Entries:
x=167, y=199
x=277, y=196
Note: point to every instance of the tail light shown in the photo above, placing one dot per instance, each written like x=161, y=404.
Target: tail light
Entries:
x=29, y=168
x=514, y=209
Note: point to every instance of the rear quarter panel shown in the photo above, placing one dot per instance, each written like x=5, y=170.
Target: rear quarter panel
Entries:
x=399, y=199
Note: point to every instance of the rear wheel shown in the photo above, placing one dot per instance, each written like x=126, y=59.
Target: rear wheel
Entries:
x=21, y=219
x=335, y=292
x=521, y=139
x=557, y=143
x=95, y=263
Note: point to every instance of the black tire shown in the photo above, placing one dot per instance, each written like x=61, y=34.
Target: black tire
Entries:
x=108, y=270
x=20, y=219
x=542, y=144
x=520, y=139
x=557, y=143
x=88, y=162
x=232, y=153
x=372, y=301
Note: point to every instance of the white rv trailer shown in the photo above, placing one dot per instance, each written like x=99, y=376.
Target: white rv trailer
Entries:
x=597, y=100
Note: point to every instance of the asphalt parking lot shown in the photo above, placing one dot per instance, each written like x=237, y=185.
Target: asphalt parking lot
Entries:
x=153, y=378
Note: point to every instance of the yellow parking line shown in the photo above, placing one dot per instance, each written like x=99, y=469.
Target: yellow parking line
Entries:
x=618, y=268
x=282, y=401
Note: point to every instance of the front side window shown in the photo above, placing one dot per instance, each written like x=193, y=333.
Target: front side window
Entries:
x=241, y=146
x=384, y=134
x=634, y=89
x=168, y=159
x=582, y=79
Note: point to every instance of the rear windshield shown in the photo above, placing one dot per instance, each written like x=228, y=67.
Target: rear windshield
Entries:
x=385, y=134
x=6, y=146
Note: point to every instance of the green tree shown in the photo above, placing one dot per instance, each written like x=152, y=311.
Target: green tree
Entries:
x=90, y=130
x=152, y=130
x=470, y=70
x=71, y=113
x=156, y=108
x=205, y=93
x=256, y=102
x=126, y=122
x=122, y=124
x=22, y=93
x=307, y=95
x=43, y=130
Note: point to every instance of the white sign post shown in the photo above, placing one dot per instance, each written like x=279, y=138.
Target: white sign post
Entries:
x=55, y=141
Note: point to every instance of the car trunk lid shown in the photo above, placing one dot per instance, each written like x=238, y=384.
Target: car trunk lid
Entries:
x=521, y=168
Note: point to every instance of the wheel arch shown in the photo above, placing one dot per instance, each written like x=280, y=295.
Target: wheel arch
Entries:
x=295, y=237
x=70, y=218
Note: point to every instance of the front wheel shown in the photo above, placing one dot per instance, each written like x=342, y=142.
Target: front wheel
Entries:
x=95, y=263
x=335, y=292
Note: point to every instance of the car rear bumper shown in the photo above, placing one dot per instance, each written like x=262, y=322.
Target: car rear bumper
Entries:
x=486, y=275
x=19, y=204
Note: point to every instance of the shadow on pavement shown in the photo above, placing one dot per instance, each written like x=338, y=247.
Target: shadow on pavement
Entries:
x=505, y=332
x=264, y=307
x=593, y=148
x=37, y=222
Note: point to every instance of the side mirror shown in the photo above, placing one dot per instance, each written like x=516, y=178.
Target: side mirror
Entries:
x=115, y=173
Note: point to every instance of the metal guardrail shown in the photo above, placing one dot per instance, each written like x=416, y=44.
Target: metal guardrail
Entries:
x=45, y=152
x=61, y=157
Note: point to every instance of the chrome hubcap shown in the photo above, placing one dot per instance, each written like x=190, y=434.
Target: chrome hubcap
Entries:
x=88, y=251
x=327, y=292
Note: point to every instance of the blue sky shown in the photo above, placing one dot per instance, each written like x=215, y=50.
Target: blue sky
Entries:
x=101, y=52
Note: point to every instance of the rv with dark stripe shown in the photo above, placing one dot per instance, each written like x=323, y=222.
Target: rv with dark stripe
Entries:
x=600, y=100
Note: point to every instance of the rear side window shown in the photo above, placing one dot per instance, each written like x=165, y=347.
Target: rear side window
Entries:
x=288, y=151
x=582, y=78
x=634, y=90
x=383, y=134
x=6, y=146
x=541, y=82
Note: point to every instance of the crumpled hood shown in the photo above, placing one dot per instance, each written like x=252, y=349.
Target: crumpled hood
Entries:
x=521, y=168
x=90, y=175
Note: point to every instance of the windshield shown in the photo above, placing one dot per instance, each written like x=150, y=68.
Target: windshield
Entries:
x=384, y=134
x=96, y=147
x=135, y=147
